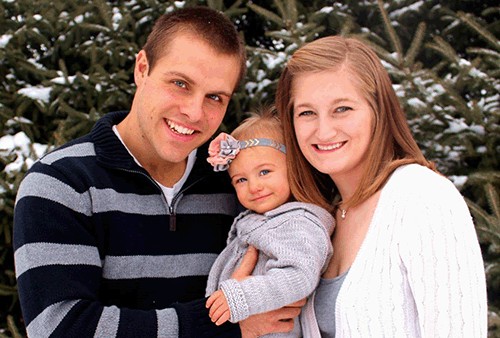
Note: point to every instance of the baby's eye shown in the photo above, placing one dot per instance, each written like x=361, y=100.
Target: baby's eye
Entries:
x=264, y=172
x=180, y=84
x=240, y=180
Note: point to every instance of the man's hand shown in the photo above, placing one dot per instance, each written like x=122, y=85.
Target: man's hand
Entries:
x=219, y=309
x=280, y=320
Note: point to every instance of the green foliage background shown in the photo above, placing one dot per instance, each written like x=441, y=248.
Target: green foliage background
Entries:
x=63, y=64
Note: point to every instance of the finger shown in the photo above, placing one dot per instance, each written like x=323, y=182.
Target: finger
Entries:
x=247, y=264
x=285, y=313
x=219, y=314
x=224, y=318
x=213, y=309
x=210, y=300
x=282, y=326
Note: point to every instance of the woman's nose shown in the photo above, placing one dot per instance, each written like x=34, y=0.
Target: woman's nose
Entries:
x=325, y=129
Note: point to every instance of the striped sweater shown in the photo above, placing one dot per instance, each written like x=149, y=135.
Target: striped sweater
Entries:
x=100, y=253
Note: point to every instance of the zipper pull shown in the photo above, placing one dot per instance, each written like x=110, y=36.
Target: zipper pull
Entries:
x=172, y=219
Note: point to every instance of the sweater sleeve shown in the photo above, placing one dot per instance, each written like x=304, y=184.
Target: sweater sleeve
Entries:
x=59, y=270
x=298, y=250
x=442, y=257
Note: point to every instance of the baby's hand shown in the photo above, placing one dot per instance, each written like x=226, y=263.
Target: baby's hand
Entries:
x=219, y=309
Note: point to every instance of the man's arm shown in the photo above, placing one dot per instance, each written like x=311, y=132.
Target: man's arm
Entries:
x=60, y=271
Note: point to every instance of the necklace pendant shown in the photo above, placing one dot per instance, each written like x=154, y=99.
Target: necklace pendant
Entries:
x=344, y=212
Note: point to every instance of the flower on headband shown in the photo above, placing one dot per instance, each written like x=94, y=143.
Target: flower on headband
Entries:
x=222, y=150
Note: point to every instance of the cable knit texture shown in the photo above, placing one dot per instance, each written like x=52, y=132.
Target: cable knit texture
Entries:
x=294, y=249
x=419, y=271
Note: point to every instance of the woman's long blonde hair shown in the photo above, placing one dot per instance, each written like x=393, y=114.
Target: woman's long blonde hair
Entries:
x=392, y=142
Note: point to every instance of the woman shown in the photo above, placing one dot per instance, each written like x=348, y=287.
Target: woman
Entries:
x=406, y=259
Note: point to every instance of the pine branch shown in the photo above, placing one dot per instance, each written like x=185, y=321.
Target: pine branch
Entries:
x=472, y=22
x=104, y=12
x=13, y=328
x=312, y=34
x=215, y=4
x=281, y=9
x=493, y=199
x=292, y=12
x=381, y=52
x=484, y=51
x=477, y=211
x=235, y=9
x=268, y=14
x=416, y=43
x=396, y=43
x=444, y=48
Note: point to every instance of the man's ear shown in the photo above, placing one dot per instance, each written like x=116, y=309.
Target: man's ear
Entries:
x=141, y=68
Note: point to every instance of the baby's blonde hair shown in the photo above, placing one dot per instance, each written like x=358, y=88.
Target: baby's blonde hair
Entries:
x=263, y=123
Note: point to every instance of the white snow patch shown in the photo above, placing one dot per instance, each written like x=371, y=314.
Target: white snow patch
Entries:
x=4, y=40
x=272, y=61
x=36, y=93
x=458, y=181
x=19, y=144
x=416, y=103
x=17, y=120
x=326, y=10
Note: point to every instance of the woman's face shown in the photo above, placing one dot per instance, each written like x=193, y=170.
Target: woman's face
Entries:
x=333, y=122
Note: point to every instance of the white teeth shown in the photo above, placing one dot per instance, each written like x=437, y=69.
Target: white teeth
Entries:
x=179, y=129
x=329, y=147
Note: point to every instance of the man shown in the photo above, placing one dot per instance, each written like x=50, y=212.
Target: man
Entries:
x=115, y=232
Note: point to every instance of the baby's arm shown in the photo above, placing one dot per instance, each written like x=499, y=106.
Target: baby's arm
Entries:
x=219, y=308
x=298, y=250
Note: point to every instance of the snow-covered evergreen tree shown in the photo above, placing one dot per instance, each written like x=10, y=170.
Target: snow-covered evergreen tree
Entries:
x=63, y=64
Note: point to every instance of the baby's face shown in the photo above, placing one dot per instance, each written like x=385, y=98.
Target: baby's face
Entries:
x=259, y=176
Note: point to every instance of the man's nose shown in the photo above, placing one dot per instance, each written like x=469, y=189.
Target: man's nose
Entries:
x=193, y=107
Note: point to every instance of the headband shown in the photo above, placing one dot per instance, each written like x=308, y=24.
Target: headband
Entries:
x=224, y=148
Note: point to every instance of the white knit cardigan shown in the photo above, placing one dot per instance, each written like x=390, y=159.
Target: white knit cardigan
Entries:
x=419, y=271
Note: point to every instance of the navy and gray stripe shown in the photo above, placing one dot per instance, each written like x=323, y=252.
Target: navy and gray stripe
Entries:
x=94, y=253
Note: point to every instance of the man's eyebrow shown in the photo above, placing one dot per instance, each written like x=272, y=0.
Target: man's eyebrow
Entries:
x=190, y=80
x=179, y=74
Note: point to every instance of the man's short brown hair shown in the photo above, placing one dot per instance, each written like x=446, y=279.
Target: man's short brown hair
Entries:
x=208, y=24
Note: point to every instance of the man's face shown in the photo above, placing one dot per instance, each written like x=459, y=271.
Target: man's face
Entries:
x=181, y=102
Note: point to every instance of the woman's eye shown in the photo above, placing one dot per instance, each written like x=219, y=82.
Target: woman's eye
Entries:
x=180, y=84
x=305, y=113
x=264, y=172
x=342, y=109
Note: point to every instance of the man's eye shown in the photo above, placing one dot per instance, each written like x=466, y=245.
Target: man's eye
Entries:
x=264, y=172
x=180, y=84
x=214, y=97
